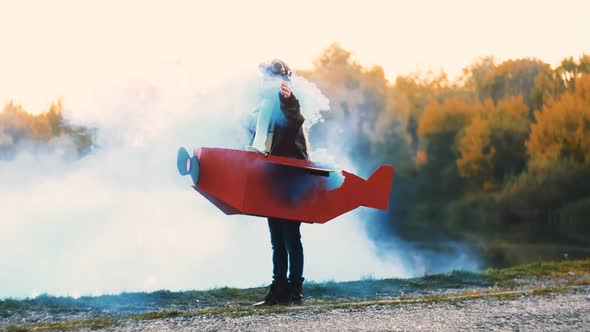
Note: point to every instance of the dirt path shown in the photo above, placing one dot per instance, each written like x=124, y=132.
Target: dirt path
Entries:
x=558, y=312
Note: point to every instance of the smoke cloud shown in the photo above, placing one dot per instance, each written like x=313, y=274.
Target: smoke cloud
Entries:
x=122, y=219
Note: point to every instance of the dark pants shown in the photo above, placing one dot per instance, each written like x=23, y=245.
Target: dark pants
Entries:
x=287, y=250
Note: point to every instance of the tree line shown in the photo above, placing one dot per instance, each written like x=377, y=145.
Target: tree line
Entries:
x=19, y=128
x=500, y=154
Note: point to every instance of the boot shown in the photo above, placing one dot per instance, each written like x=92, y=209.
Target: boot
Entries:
x=278, y=293
x=296, y=292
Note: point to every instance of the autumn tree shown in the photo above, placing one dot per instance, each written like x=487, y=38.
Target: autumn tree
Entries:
x=417, y=91
x=563, y=78
x=364, y=111
x=17, y=126
x=514, y=78
x=476, y=76
x=338, y=77
x=438, y=130
x=570, y=71
x=561, y=131
x=492, y=146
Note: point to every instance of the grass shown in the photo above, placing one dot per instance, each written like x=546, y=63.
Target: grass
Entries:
x=130, y=303
x=581, y=282
x=236, y=302
x=541, y=269
x=316, y=307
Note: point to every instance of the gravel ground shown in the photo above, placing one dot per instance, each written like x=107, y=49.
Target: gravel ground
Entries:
x=561, y=312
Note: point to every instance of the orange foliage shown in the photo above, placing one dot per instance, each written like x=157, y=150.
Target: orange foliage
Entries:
x=562, y=129
x=494, y=141
x=18, y=124
x=514, y=78
x=450, y=116
x=475, y=150
x=513, y=108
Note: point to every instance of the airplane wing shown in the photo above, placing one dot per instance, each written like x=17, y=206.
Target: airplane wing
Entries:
x=312, y=167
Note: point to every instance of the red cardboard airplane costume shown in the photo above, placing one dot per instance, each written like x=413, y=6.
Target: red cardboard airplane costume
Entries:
x=251, y=183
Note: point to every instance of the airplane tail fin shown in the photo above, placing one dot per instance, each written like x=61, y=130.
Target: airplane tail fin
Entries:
x=379, y=188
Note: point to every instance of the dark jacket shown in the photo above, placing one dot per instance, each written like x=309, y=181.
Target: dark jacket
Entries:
x=289, y=138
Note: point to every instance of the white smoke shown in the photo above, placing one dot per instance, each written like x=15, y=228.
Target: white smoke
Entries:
x=122, y=219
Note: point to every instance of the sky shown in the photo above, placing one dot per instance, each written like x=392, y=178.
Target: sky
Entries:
x=155, y=75
x=69, y=49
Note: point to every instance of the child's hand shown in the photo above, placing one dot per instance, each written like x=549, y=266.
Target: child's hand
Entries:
x=285, y=90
